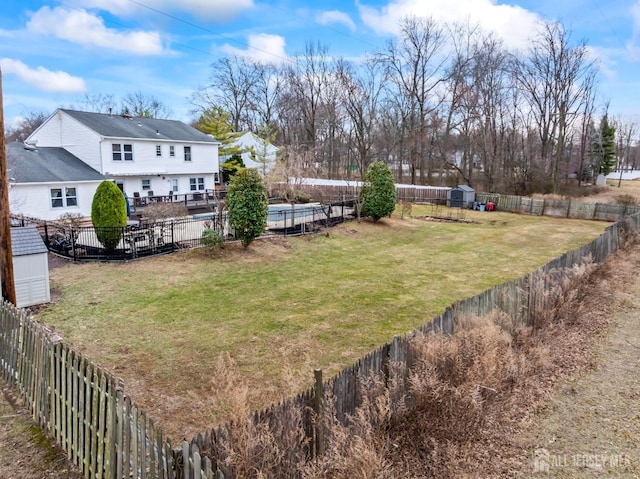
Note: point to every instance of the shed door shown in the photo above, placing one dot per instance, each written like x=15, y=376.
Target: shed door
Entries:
x=457, y=198
x=31, y=274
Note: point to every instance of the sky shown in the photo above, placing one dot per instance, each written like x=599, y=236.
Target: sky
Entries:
x=54, y=53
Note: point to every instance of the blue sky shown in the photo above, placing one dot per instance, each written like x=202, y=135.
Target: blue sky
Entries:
x=53, y=53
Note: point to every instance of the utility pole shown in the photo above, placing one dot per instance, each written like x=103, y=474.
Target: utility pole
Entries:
x=6, y=258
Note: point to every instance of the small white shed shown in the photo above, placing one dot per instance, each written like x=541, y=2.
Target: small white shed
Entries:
x=30, y=267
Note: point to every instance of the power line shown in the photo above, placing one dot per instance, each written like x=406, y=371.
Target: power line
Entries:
x=128, y=27
x=207, y=30
x=606, y=20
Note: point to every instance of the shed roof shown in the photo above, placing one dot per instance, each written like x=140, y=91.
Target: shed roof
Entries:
x=46, y=165
x=26, y=240
x=465, y=188
x=126, y=126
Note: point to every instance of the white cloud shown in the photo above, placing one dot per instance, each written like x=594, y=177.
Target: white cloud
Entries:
x=81, y=27
x=211, y=9
x=42, y=78
x=605, y=59
x=633, y=45
x=263, y=48
x=513, y=24
x=334, y=16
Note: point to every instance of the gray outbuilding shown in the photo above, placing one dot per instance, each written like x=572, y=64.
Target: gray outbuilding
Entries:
x=30, y=267
x=462, y=196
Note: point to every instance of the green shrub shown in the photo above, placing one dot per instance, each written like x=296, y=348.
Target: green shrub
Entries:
x=211, y=239
x=378, y=191
x=248, y=205
x=109, y=214
x=302, y=198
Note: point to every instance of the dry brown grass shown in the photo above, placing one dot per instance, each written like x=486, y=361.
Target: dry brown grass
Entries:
x=471, y=395
x=561, y=301
x=468, y=398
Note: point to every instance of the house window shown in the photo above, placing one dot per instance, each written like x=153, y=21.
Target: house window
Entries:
x=158, y=150
x=60, y=200
x=196, y=184
x=146, y=185
x=172, y=150
x=70, y=195
x=56, y=198
x=174, y=185
x=216, y=177
x=187, y=153
x=122, y=152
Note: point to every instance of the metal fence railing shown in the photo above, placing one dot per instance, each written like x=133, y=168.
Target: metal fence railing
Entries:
x=148, y=238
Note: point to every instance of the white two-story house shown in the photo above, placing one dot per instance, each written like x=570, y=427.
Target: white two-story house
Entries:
x=144, y=156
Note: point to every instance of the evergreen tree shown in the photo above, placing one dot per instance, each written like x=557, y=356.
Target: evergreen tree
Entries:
x=248, y=205
x=109, y=214
x=608, y=135
x=230, y=167
x=378, y=191
x=216, y=122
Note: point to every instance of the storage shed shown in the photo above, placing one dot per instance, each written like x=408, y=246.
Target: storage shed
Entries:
x=30, y=267
x=461, y=196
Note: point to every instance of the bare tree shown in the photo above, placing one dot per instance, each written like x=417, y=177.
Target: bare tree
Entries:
x=230, y=86
x=493, y=138
x=306, y=80
x=588, y=108
x=142, y=105
x=414, y=64
x=310, y=109
x=459, y=104
x=264, y=97
x=361, y=92
x=25, y=126
x=554, y=77
x=96, y=103
x=627, y=130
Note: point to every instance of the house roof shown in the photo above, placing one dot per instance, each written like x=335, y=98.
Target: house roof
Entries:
x=121, y=126
x=46, y=165
x=25, y=241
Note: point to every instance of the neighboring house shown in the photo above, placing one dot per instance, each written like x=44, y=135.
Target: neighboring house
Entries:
x=257, y=153
x=47, y=182
x=30, y=267
x=145, y=156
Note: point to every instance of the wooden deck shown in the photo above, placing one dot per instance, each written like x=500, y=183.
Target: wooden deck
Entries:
x=195, y=200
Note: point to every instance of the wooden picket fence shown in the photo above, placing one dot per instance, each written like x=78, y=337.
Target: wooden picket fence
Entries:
x=558, y=208
x=85, y=409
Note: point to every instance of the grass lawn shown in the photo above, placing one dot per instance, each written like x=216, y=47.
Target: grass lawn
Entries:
x=196, y=337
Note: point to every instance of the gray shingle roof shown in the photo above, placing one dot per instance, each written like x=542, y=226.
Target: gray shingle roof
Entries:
x=26, y=241
x=47, y=164
x=117, y=126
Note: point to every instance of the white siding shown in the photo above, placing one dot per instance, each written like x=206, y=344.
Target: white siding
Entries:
x=249, y=140
x=160, y=170
x=204, y=158
x=31, y=276
x=64, y=131
x=161, y=184
x=35, y=199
